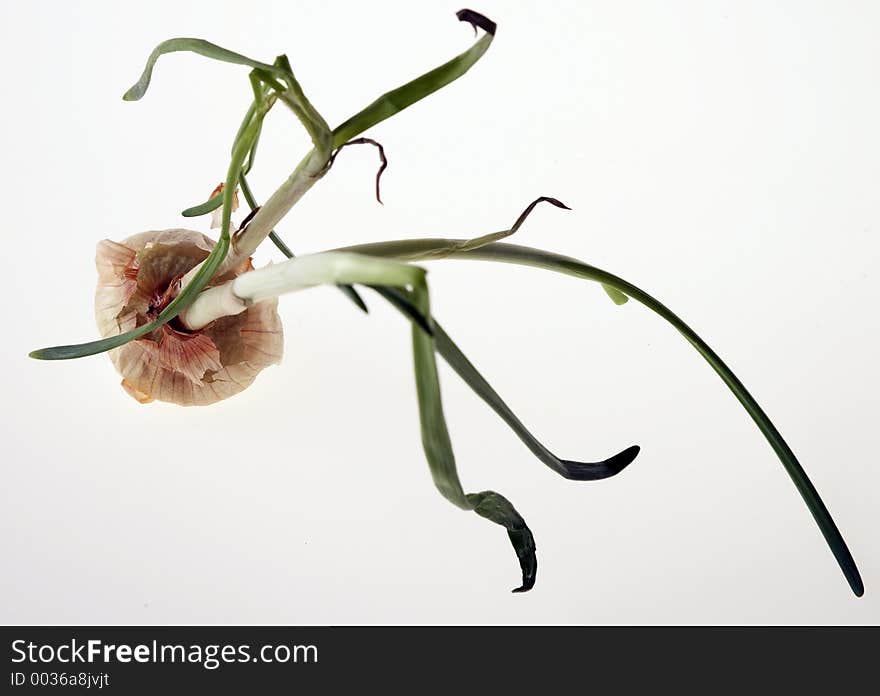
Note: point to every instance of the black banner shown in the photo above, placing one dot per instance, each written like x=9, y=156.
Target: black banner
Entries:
x=265, y=660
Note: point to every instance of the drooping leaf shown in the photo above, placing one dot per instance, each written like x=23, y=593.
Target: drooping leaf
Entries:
x=450, y=352
x=441, y=460
x=435, y=437
x=498, y=509
x=412, y=249
x=458, y=361
x=201, y=47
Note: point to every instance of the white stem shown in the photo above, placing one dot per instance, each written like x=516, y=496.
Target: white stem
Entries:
x=210, y=305
x=299, y=273
x=309, y=170
x=307, y=173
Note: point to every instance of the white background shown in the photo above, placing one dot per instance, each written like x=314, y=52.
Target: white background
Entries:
x=723, y=155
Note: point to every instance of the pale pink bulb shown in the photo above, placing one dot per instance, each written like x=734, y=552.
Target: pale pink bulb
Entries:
x=136, y=280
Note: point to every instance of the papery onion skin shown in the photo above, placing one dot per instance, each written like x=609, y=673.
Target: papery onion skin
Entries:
x=172, y=364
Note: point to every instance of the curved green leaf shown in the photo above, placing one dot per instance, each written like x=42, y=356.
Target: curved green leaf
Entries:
x=397, y=100
x=458, y=361
x=201, y=47
x=208, y=206
x=498, y=509
x=81, y=350
x=450, y=352
x=413, y=249
x=511, y=253
x=435, y=436
x=441, y=460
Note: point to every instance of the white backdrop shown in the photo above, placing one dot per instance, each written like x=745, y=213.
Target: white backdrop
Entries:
x=723, y=155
